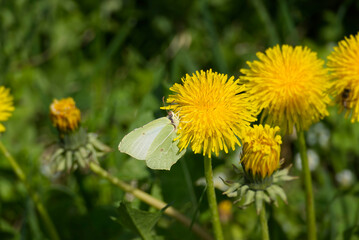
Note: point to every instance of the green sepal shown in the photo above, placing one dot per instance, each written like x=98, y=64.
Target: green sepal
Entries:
x=249, y=197
x=280, y=192
x=73, y=140
x=80, y=160
x=98, y=144
x=243, y=190
x=232, y=189
x=69, y=161
x=272, y=194
x=259, y=201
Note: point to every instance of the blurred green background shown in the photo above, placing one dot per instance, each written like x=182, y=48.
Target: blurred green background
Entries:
x=117, y=59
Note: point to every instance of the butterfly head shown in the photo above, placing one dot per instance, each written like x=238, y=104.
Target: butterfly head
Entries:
x=174, y=119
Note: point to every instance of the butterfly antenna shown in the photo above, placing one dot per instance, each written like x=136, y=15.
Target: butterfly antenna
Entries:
x=163, y=101
x=164, y=104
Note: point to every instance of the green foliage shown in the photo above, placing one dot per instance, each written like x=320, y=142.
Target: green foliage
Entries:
x=117, y=59
x=138, y=221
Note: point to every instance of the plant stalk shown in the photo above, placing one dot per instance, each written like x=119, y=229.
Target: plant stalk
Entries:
x=310, y=209
x=145, y=197
x=211, y=195
x=264, y=224
x=39, y=206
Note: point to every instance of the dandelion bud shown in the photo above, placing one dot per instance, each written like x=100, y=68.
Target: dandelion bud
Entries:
x=64, y=115
x=260, y=162
x=76, y=148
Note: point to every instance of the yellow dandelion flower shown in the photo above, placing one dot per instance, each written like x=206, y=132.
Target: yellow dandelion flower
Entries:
x=65, y=115
x=213, y=111
x=261, y=150
x=289, y=85
x=6, y=106
x=343, y=63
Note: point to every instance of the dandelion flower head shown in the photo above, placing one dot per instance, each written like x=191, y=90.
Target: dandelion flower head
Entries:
x=213, y=111
x=290, y=85
x=6, y=106
x=343, y=63
x=64, y=115
x=261, y=150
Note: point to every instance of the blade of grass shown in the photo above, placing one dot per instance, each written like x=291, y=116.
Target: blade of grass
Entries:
x=288, y=22
x=216, y=51
x=35, y=198
x=267, y=21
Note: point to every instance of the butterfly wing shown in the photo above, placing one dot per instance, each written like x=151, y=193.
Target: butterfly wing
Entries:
x=138, y=142
x=164, y=152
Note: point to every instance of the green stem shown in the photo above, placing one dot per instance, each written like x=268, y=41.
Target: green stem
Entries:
x=264, y=224
x=211, y=195
x=40, y=207
x=154, y=202
x=85, y=196
x=312, y=232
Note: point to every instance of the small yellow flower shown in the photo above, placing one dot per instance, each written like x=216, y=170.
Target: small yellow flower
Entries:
x=261, y=150
x=290, y=86
x=64, y=115
x=6, y=106
x=213, y=111
x=343, y=63
x=225, y=211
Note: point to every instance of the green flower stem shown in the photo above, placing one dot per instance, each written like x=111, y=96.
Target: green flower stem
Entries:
x=264, y=224
x=145, y=197
x=40, y=207
x=211, y=195
x=312, y=231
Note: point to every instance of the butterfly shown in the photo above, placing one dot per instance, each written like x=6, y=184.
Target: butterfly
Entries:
x=154, y=142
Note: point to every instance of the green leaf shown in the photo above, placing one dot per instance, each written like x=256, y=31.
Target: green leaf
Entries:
x=351, y=231
x=138, y=221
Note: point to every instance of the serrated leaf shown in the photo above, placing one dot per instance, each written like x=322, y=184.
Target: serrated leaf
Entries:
x=139, y=221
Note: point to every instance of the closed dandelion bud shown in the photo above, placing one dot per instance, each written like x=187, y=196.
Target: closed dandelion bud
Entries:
x=260, y=160
x=65, y=116
x=76, y=148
